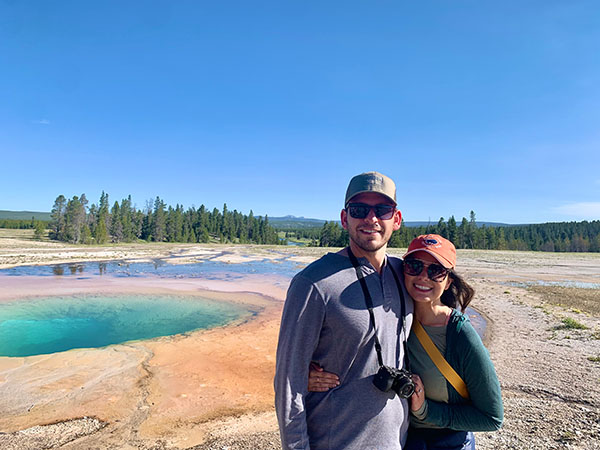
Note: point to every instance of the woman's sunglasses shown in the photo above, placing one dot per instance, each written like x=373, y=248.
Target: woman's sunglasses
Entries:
x=361, y=210
x=435, y=272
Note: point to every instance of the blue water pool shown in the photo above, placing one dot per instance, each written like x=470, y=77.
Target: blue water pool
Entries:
x=49, y=325
x=201, y=269
x=55, y=324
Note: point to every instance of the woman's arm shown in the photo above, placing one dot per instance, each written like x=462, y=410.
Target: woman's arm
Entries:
x=484, y=411
x=319, y=380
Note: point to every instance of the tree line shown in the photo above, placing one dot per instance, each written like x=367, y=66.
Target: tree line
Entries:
x=547, y=237
x=18, y=224
x=72, y=220
x=39, y=226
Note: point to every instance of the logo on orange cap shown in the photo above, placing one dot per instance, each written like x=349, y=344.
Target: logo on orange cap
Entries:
x=440, y=248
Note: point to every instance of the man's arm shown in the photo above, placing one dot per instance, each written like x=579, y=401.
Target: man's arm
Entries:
x=301, y=323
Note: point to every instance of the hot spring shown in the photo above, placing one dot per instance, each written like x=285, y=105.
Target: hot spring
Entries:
x=55, y=324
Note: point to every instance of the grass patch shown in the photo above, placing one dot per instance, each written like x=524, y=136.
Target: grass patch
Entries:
x=568, y=436
x=594, y=358
x=543, y=308
x=571, y=324
x=10, y=233
x=575, y=299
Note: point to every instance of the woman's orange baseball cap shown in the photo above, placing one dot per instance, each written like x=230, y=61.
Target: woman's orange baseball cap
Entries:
x=440, y=248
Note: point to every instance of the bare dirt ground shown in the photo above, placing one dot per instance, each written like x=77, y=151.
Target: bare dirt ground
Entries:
x=213, y=389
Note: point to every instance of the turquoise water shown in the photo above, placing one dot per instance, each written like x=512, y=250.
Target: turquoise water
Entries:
x=55, y=324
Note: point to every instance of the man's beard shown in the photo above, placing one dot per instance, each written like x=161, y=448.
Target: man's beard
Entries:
x=367, y=245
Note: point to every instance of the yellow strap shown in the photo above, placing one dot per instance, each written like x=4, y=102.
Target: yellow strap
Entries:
x=440, y=362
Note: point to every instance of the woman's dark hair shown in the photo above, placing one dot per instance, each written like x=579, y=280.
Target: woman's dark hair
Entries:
x=459, y=293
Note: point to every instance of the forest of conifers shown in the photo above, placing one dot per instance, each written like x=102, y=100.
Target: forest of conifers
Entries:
x=548, y=237
x=73, y=221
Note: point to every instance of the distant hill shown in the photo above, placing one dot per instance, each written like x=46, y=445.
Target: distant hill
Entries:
x=24, y=215
x=292, y=222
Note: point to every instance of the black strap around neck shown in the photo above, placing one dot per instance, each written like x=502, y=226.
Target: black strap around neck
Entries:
x=369, y=302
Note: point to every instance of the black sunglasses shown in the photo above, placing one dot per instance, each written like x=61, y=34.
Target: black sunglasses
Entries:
x=361, y=210
x=435, y=272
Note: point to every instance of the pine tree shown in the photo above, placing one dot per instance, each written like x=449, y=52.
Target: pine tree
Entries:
x=75, y=216
x=441, y=228
x=452, y=230
x=159, y=221
x=463, y=231
x=86, y=234
x=103, y=210
x=204, y=237
x=100, y=233
x=39, y=229
x=126, y=218
x=116, y=226
x=57, y=224
x=471, y=228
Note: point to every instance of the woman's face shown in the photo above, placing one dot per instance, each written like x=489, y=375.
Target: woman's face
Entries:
x=420, y=287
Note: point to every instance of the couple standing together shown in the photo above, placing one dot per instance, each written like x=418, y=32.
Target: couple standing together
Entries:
x=347, y=362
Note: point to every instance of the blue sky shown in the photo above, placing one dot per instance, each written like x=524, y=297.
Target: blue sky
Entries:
x=273, y=106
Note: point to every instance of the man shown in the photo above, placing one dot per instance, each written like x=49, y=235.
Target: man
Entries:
x=326, y=320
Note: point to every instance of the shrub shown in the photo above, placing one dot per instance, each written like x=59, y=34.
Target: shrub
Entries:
x=571, y=324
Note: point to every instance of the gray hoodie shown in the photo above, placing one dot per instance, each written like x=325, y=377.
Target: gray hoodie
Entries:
x=325, y=319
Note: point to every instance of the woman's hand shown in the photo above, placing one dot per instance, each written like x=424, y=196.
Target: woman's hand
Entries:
x=418, y=398
x=319, y=380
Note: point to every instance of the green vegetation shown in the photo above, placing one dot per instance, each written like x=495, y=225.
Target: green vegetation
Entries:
x=308, y=236
x=18, y=224
x=594, y=358
x=24, y=215
x=294, y=223
x=582, y=299
x=571, y=324
x=123, y=222
x=549, y=237
x=39, y=229
x=568, y=436
x=16, y=220
x=543, y=308
x=72, y=221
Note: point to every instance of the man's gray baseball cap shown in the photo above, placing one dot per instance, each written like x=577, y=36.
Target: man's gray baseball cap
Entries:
x=371, y=182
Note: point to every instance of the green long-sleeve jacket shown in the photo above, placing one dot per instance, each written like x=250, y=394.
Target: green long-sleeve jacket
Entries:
x=467, y=355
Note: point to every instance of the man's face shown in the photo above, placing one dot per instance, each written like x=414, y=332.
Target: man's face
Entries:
x=371, y=233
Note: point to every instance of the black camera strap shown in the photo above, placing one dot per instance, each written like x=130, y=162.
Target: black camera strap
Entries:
x=369, y=302
x=403, y=312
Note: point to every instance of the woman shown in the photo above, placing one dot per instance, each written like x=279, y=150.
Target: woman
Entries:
x=440, y=417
